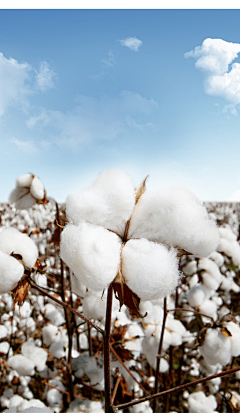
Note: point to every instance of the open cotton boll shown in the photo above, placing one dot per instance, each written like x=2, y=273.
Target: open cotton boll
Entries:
x=234, y=338
x=24, y=180
x=198, y=402
x=141, y=408
x=217, y=258
x=22, y=365
x=94, y=305
x=12, y=240
x=37, y=354
x=190, y=268
x=37, y=188
x=228, y=234
x=176, y=217
x=210, y=282
x=216, y=347
x=196, y=295
x=17, y=194
x=93, y=254
x=108, y=201
x=209, y=308
x=11, y=271
x=149, y=269
x=53, y=314
x=211, y=267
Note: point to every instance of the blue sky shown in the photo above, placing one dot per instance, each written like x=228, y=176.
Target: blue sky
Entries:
x=85, y=90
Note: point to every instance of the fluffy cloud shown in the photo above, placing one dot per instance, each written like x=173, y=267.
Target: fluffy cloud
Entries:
x=19, y=80
x=132, y=43
x=96, y=119
x=214, y=57
x=45, y=77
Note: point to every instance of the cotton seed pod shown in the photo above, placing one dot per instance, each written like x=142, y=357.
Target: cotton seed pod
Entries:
x=93, y=254
x=12, y=240
x=149, y=269
x=37, y=188
x=24, y=180
x=108, y=201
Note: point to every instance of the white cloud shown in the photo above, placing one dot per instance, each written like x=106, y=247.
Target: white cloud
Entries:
x=132, y=43
x=96, y=119
x=17, y=82
x=107, y=64
x=214, y=57
x=235, y=196
x=45, y=77
x=24, y=146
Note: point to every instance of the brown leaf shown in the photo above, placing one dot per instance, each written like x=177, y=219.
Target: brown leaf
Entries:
x=140, y=190
x=20, y=292
x=126, y=296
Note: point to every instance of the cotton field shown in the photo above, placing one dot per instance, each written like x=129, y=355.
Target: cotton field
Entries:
x=173, y=319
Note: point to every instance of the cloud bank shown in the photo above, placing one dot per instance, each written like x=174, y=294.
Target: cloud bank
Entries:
x=132, y=43
x=214, y=58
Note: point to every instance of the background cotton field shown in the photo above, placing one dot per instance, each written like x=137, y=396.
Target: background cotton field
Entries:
x=54, y=359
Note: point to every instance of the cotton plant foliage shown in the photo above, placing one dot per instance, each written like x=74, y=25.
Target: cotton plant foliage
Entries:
x=14, y=242
x=131, y=236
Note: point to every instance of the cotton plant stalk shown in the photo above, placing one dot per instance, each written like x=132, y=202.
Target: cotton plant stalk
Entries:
x=119, y=235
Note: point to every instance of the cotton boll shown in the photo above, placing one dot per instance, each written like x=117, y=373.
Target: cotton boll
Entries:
x=196, y=296
x=37, y=188
x=17, y=194
x=11, y=271
x=198, y=402
x=57, y=349
x=50, y=334
x=4, y=346
x=217, y=258
x=53, y=314
x=190, y=268
x=94, y=305
x=210, y=282
x=141, y=408
x=25, y=202
x=108, y=202
x=216, y=348
x=93, y=254
x=176, y=217
x=209, y=308
x=149, y=269
x=11, y=240
x=54, y=397
x=37, y=354
x=228, y=234
x=234, y=338
x=211, y=267
x=24, y=180
x=22, y=365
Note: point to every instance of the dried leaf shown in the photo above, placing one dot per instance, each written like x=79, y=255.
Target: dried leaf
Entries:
x=140, y=190
x=20, y=292
x=126, y=296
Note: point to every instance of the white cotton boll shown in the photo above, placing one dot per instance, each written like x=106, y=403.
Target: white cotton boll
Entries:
x=12, y=240
x=24, y=310
x=37, y=188
x=17, y=194
x=53, y=314
x=209, y=308
x=210, y=282
x=24, y=180
x=108, y=201
x=22, y=365
x=193, y=281
x=37, y=354
x=4, y=346
x=175, y=325
x=57, y=349
x=198, y=402
x=37, y=409
x=216, y=348
x=94, y=305
x=149, y=269
x=176, y=339
x=3, y=332
x=225, y=246
x=196, y=296
x=25, y=202
x=226, y=283
x=11, y=271
x=235, y=253
x=50, y=334
x=93, y=254
x=87, y=406
x=228, y=234
x=217, y=258
x=211, y=267
x=176, y=217
x=235, y=338
x=54, y=397
x=77, y=286
x=82, y=364
x=141, y=408
x=190, y=268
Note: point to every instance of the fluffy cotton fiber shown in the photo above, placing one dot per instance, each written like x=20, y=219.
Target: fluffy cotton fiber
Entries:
x=176, y=217
x=11, y=240
x=149, y=269
x=108, y=201
x=92, y=252
x=11, y=271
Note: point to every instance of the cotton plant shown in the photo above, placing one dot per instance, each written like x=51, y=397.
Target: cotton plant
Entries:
x=117, y=233
x=29, y=190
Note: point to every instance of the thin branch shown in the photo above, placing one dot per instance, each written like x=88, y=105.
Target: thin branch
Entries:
x=107, y=334
x=32, y=283
x=115, y=388
x=175, y=389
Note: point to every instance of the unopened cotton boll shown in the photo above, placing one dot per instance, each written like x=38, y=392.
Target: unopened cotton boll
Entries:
x=176, y=217
x=93, y=254
x=12, y=240
x=149, y=269
x=108, y=201
x=11, y=271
